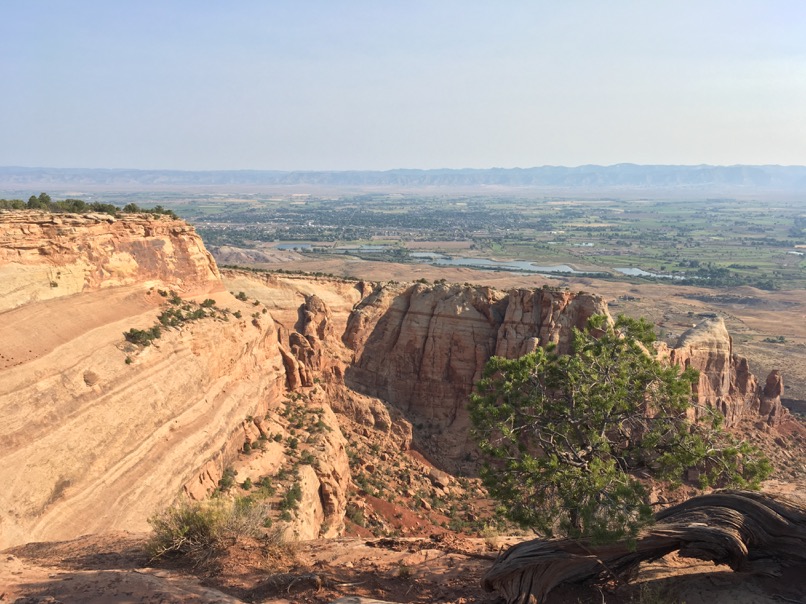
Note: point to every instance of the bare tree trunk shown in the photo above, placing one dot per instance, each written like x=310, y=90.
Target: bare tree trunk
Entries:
x=750, y=532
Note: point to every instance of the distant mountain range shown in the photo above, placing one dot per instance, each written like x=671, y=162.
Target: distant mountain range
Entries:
x=620, y=176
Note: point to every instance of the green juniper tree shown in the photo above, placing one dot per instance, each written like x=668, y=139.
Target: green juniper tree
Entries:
x=567, y=439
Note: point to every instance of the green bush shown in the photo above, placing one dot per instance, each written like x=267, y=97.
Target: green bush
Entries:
x=565, y=438
x=355, y=514
x=292, y=497
x=266, y=486
x=227, y=479
x=142, y=337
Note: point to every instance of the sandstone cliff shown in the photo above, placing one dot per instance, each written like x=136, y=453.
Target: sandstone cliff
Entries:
x=422, y=348
x=44, y=256
x=99, y=433
x=91, y=443
x=726, y=382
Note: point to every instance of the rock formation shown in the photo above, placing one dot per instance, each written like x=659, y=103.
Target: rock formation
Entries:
x=542, y=317
x=98, y=433
x=726, y=383
x=44, y=255
x=422, y=348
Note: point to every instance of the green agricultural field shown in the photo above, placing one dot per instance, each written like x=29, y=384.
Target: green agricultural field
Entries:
x=710, y=242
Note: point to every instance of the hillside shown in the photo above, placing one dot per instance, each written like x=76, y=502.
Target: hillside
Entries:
x=349, y=393
x=724, y=179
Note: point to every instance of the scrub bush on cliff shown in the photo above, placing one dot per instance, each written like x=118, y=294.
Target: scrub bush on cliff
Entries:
x=198, y=531
x=565, y=438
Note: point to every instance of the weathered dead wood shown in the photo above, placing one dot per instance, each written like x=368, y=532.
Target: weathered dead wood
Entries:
x=750, y=532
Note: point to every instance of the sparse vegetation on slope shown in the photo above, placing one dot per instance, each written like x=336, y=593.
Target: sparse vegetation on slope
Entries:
x=178, y=313
x=142, y=337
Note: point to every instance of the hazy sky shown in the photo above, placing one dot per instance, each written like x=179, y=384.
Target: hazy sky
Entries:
x=296, y=84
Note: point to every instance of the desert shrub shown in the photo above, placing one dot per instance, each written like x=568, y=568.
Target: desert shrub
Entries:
x=159, y=210
x=227, y=479
x=403, y=571
x=142, y=337
x=292, y=497
x=196, y=315
x=355, y=514
x=266, y=486
x=199, y=531
x=12, y=204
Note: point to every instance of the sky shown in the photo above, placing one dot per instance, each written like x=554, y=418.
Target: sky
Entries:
x=383, y=84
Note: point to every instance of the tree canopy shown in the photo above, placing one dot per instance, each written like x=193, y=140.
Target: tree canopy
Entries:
x=44, y=202
x=570, y=441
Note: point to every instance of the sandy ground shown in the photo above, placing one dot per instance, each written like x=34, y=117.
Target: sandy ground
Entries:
x=113, y=568
x=96, y=570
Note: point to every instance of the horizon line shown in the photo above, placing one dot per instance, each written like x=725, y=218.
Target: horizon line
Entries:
x=287, y=171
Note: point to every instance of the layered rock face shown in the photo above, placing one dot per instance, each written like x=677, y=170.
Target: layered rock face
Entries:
x=726, y=383
x=44, y=256
x=543, y=317
x=423, y=348
x=99, y=433
x=91, y=443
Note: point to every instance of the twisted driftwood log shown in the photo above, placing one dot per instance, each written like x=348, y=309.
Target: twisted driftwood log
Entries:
x=750, y=532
